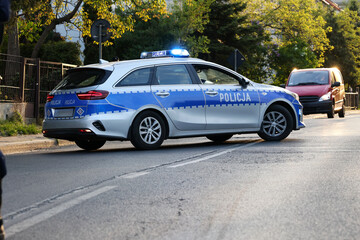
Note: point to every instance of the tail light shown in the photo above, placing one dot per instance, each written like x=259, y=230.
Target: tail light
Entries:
x=49, y=98
x=93, y=95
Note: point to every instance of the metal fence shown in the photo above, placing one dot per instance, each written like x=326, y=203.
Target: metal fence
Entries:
x=352, y=99
x=28, y=80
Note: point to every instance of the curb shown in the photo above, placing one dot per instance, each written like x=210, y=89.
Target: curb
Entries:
x=30, y=143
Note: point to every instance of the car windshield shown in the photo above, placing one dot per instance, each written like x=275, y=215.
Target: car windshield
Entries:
x=84, y=77
x=309, y=78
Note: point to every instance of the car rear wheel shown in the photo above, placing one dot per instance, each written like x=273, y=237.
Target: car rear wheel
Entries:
x=219, y=138
x=277, y=124
x=148, y=131
x=90, y=145
x=342, y=111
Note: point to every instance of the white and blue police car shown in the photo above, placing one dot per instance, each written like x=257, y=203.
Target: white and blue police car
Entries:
x=165, y=94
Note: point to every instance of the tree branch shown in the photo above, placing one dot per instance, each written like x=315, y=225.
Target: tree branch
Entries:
x=51, y=26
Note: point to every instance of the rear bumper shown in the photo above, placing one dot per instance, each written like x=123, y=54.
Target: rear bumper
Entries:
x=317, y=107
x=69, y=134
x=77, y=134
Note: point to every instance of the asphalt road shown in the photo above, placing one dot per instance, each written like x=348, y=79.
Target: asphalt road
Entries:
x=305, y=187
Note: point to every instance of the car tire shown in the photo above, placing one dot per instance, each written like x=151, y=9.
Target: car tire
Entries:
x=90, y=145
x=148, y=131
x=342, y=111
x=331, y=114
x=219, y=138
x=277, y=124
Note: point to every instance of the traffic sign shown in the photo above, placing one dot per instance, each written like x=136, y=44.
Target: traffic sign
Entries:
x=100, y=28
x=236, y=59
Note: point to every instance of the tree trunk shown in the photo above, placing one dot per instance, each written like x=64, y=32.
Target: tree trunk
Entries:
x=40, y=42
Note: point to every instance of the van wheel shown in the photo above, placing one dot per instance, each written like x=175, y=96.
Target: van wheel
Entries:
x=90, y=145
x=331, y=114
x=277, y=124
x=342, y=111
x=219, y=138
x=148, y=131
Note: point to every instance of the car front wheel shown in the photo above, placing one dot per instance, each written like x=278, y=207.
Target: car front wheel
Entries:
x=331, y=113
x=90, y=145
x=342, y=111
x=277, y=124
x=148, y=131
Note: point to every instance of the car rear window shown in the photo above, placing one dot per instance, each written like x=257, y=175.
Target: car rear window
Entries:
x=309, y=78
x=83, y=77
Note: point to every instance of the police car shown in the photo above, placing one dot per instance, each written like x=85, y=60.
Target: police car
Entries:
x=165, y=94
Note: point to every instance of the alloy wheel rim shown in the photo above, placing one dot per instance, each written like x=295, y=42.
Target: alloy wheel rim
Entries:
x=274, y=124
x=150, y=130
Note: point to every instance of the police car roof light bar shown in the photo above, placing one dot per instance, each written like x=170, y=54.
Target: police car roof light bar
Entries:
x=165, y=53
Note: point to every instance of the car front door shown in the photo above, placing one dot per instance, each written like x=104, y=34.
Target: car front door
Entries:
x=339, y=92
x=181, y=97
x=228, y=104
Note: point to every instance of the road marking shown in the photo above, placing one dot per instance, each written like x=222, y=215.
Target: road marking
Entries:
x=21, y=226
x=134, y=175
x=214, y=155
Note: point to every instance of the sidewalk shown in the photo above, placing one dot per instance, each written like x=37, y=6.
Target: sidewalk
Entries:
x=26, y=143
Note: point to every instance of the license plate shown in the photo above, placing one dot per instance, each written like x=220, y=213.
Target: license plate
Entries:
x=63, y=112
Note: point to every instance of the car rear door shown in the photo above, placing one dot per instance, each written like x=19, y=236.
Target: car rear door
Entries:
x=181, y=97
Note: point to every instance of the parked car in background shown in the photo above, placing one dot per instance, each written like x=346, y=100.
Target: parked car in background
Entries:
x=321, y=90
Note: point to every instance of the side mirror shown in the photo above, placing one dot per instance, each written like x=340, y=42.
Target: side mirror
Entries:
x=243, y=82
x=283, y=85
x=335, y=84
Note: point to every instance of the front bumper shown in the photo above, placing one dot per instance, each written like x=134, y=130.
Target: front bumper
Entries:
x=317, y=107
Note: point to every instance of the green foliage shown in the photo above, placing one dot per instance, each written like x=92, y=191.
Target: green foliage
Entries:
x=155, y=34
x=16, y=118
x=15, y=126
x=66, y=52
x=287, y=57
x=162, y=32
x=188, y=19
x=230, y=29
x=55, y=51
x=346, y=40
x=298, y=30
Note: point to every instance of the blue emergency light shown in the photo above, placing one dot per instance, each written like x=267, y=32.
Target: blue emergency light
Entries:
x=166, y=53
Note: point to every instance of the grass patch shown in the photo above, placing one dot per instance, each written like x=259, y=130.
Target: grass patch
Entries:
x=16, y=126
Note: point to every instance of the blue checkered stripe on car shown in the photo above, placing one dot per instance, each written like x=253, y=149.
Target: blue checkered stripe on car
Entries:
x=125, y=101
x=232, y=97
x=118, y=102
x=63, y=101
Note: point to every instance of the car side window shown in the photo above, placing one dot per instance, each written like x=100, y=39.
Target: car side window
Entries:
x=338, y=77
x=332, y=78
x=136, y=78
x=213, y=75
x=172, y=74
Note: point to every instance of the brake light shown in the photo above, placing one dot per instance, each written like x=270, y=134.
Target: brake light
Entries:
x=85, y=130
x=49, y=98
x=93, y=95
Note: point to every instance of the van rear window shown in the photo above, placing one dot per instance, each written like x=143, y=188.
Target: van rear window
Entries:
x=83, y=77
x=309, y=78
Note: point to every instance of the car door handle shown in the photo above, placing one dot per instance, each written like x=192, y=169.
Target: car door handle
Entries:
x=162, y=94
x=211, y=93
